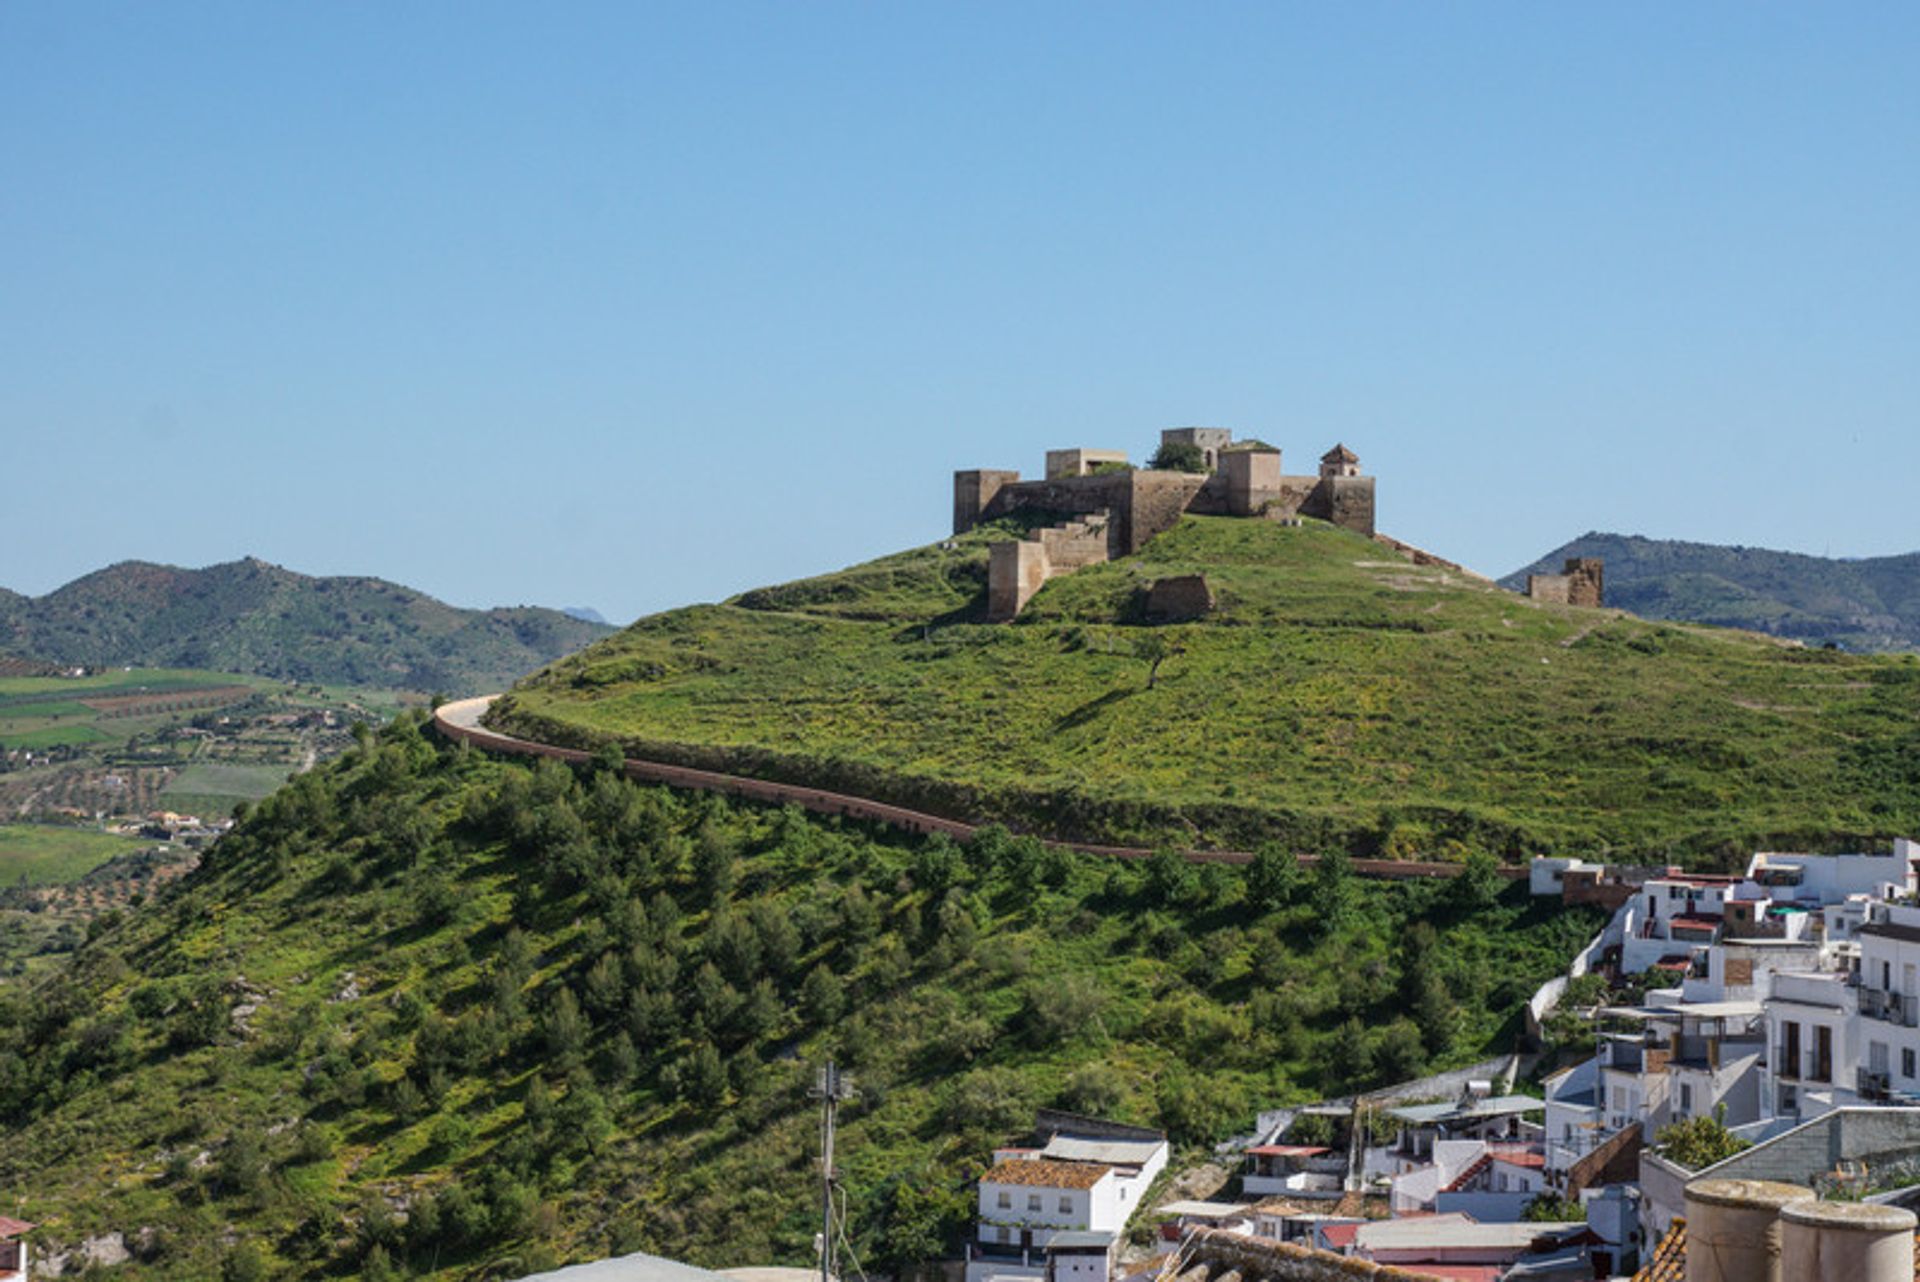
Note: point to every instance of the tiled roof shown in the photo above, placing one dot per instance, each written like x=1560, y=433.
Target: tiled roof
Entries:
x=13, y=1228
x=1340, y=1236
x=1288, y=1150
x=1041, y=1173
x=1517, y=1156
x=1669, y=1260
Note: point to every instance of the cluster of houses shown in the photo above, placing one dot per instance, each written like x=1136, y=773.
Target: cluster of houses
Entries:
x=1783, y=1002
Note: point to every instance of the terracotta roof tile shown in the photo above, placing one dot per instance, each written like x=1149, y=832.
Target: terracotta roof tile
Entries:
x=1669, y=1260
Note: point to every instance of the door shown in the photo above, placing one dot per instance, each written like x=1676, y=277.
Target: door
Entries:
x=1791, y=1067
x=1823, y=1054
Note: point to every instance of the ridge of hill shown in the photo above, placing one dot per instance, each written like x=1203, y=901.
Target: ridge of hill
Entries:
x=1866, y=604
x=252, y=617
x=429, y=1013
x=1337, y=695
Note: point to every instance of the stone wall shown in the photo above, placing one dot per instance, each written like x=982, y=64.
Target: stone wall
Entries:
x=1155, y=505
x=1585, y=581
x=1580, y=583
x=1551, y=588
x=1016, y=570
x=1345, y=501
x=1185, y=596
x=974, y=492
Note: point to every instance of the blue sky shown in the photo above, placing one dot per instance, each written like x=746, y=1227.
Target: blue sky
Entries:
x=630, y=306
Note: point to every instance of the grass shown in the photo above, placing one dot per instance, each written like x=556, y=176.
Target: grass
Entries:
x=580, y=1017
x=50, y=855
x=46, y=712
x=1338, y=695
x=233, y=780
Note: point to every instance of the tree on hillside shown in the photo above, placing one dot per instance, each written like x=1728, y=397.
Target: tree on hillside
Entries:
x=1178, y=456
x=1273, y=878
x=1153, y=649
x=1334, y=893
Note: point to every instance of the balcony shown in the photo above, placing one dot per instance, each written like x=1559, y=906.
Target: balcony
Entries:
x=1873, y=1086
x=1784, y=1065
x=1894, y=1008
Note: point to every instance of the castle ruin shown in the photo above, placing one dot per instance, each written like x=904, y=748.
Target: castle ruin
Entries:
x=1109, y=509
x=1581, y=582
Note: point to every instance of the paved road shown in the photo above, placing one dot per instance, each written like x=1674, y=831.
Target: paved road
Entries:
x=460, y=721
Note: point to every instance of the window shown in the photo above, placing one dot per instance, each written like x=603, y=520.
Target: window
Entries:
x=1004, y=1234
x=1066, y=1204
x=1006, y=1200
x=1686, y=1099
x=1906, y=1062
x=1033, y=1201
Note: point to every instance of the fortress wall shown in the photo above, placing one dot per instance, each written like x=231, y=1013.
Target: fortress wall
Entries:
x=1585, y=581
x=1157, y=501
x=974, y=492
x=1554, y=588
x=1108, y=492
x=1016, y=570
x=1346, y=501
x=1075, y=544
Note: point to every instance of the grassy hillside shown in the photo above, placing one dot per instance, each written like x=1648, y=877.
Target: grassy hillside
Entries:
x=540, y=1015
x=252, y=617
x=1338, y=696
x=1866, y=604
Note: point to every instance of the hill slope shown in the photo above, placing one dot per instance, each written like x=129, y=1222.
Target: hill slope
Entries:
x=252, y=617
x=557, y=1015
x=1871, y=604
x=1338, y=696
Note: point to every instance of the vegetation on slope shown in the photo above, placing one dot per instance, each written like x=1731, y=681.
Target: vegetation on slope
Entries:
x=432, y=1014
x=1339, y=696
x=252, y=617
x=1866, y=604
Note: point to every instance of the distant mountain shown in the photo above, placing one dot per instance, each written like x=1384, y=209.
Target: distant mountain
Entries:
x=585, y=613
x=249, y=616
x=1867, y=604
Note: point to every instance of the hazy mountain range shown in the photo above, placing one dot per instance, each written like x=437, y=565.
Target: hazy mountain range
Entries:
x=1872, y=603
x=250, y=616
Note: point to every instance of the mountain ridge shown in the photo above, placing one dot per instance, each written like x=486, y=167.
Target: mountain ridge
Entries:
x=1869, y=604
x=252, y=616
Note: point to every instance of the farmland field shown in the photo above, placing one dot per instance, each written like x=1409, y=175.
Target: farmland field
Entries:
x=47, y=855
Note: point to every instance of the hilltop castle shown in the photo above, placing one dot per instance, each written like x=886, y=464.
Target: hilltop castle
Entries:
x=1113, y=509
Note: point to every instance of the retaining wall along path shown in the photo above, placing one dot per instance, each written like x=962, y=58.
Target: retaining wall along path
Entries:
x=460, y=721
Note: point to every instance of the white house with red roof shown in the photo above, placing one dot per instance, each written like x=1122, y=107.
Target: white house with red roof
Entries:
x=13, y=1249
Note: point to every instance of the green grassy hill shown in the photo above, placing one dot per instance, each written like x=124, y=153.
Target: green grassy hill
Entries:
x=539, y=1015
x=252, y=617
x=1339, y=696
x=1865, y=604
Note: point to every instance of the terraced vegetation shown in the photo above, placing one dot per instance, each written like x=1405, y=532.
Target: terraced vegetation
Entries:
x=1339, y=697
x=431, y=1014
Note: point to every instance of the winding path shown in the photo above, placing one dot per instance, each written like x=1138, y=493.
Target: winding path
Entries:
x=460, y=721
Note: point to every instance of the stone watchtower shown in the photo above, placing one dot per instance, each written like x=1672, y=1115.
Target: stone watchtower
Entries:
x=1339, y=461
x=1208, y=440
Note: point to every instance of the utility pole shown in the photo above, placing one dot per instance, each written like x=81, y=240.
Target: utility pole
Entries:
x=831, y=1089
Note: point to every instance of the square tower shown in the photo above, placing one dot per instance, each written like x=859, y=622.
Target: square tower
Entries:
x=1209, y=440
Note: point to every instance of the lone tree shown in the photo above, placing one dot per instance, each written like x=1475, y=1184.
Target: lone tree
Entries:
x=1178, y=456
x=1153, y=649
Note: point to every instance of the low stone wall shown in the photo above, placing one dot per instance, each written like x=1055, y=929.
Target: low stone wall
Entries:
x=459, y=721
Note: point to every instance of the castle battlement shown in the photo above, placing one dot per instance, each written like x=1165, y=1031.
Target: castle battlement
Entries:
x=1107, y=507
